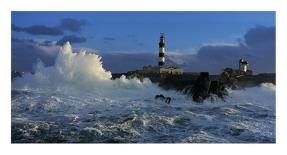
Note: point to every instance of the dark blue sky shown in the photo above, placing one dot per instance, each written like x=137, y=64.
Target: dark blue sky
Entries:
x=139, y=31
x=196, y=41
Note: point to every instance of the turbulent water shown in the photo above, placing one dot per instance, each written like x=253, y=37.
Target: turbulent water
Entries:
x=76, y=101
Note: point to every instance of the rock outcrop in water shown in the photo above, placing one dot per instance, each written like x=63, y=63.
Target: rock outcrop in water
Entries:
x=200, y=90
x=202, y=86
x=163, y=98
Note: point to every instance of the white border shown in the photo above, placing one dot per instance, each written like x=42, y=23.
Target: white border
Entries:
x=144, y=5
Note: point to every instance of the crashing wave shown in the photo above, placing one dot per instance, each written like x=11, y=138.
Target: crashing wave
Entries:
x=75, y=71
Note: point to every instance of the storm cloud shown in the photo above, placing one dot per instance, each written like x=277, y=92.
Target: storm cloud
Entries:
x=258, y=48
x=72, y=25
x=66, y=24
x=260, y=36
x=72, y=39
x=38, y=30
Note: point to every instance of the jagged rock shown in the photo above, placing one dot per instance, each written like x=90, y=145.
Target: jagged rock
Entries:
x=204, y=88
x=201, y=87
x=217, y=88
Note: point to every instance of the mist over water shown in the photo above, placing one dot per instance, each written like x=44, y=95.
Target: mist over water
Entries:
x=76, y=101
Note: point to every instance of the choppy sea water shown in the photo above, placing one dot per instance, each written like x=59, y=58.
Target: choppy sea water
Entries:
x=247, y=116
x=75, y=101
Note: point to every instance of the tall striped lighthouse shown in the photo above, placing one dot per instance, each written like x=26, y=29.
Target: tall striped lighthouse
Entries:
x=161, y=53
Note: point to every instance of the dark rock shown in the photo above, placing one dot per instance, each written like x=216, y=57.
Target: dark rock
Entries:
x=217, y=88
x=163, y=98
x=204, y=88
x=201, y=87
x=160, y=96
x=167, y=100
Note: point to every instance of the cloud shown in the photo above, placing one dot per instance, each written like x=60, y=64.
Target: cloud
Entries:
x=72, y=39
x=220, y=44
x=260, y=36
x=258, y=48
x=213, y=58
x=26, y=52
x=47, y=43
x=123, y=62
x=66, y=24
x=21, y=40
x=38, y=30
x=188, y=51
x=72, y=25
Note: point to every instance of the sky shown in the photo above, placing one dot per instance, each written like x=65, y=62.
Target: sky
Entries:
x=196, y=41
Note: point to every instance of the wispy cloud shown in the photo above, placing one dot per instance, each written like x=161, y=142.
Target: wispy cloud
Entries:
x=219, y=44
x=184, y=51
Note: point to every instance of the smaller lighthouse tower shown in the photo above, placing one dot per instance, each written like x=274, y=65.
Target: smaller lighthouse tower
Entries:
x=161, y=53
x=243, y=65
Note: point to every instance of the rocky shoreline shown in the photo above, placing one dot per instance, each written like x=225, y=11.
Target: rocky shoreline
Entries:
x=201, y=86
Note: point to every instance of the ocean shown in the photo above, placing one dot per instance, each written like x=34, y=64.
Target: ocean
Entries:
x=75, y=101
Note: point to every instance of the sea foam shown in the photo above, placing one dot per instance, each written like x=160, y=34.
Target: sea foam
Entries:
x=75, y=71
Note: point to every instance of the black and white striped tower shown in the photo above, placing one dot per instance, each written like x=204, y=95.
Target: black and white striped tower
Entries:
x=161, y=53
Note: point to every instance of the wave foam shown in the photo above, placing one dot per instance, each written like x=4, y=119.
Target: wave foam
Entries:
x=81, y=71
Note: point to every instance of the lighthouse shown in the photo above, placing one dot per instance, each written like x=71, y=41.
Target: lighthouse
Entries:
x=243, y=65
x=162, y=69
x=161, y=53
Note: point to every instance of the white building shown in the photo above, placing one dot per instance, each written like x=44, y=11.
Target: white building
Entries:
x=243, y=65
